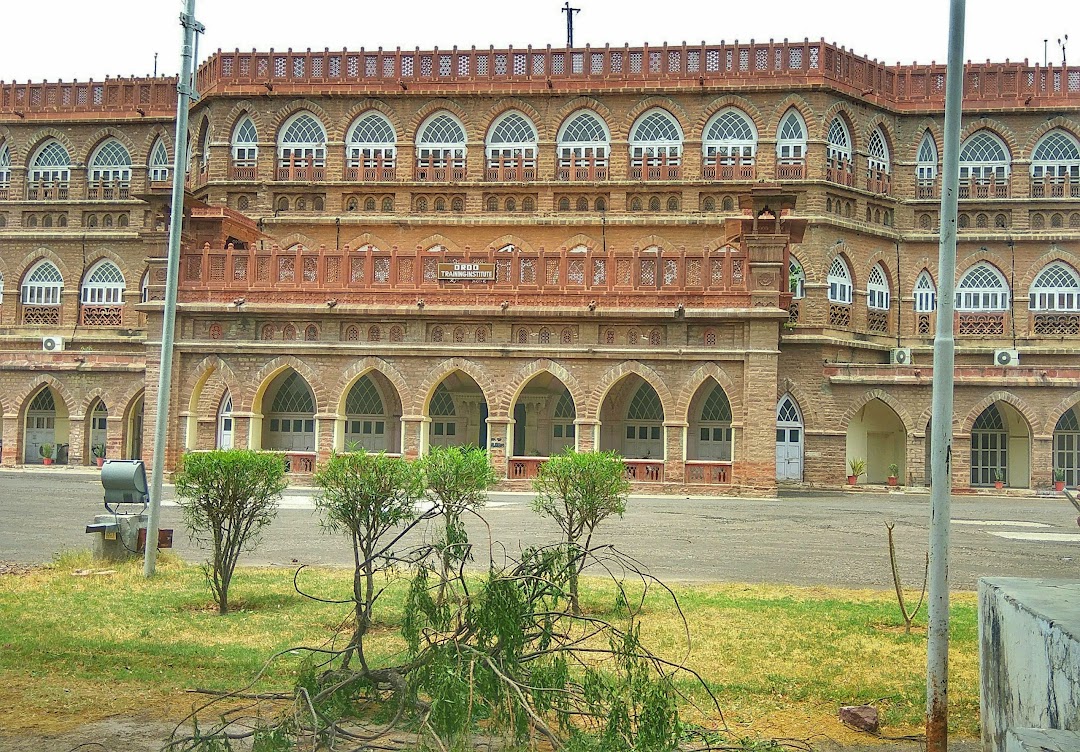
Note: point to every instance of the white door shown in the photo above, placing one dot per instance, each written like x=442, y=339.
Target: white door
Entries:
x=789, y=441
x=225, y=424
x=40, y=429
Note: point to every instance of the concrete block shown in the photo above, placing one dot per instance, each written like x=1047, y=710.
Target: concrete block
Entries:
x=116, y=536
x=1042, y=740
x=1029, y=656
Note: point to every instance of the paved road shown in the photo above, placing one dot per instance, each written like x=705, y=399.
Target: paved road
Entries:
x=821, y=538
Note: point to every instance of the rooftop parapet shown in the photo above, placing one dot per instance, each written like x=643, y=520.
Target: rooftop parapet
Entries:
x=113, y=97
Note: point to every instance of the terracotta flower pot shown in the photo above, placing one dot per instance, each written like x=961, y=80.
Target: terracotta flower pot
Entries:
x=1059, y=485
x=852, y=480
x=999, y=484
x=46, y=461
x=100, y=461
x=892, y=480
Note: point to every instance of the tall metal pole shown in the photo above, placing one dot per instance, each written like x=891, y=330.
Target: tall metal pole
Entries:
x=184, y=93
x=937, y=643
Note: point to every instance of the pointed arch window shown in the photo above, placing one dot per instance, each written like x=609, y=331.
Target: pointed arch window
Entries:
x=840, y=287
x=50, y=171
x=159, y=162
x=42, y=285
x=877, y=289
x=441, y=149
x=225, y=422
x=839, y=164
x=984, y=167
x=5, y=171
x=925, y=293
x=104, y=285
x=790, y=147
x=302, y=149
x=583, y=144
x=714, y=427
x=1055, y=166
x=365, y=417
x=1057, y=288
x=511, y=148
x=926, y=167
x=878, y=162
x=656, y=147
x=110, y=171
x=244, y=150
x=982, y=288
x=371, y=148
x=729, y=146
x=796, y=279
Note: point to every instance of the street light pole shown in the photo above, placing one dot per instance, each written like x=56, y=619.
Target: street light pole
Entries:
x=184, y=93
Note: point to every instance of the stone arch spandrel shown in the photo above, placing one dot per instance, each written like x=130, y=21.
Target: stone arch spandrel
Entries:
x=878, y=394
x=100, y=254
x=843, y=111
x=248, y=108
x=697, y=379
x=733, y=101
x=802, y=399
x=508, y=104
x=601, y=110
x=368, y=105
x=658, y=241
x=286, y=111
x=369, y=238
x=595, y=400
x=999, y=129
x=438, y=373
x=433, y=106
x=298, y=238
x=805, y=110
x=30, y=259
x=98, y=138
x=365, y=366
x=1057, y=123
x=1035, y=268
x=518, y=381
x=439, y=239
x=270, y=370
x=1026, y=412
x=667, y=104
x=519, y=243
x=1055, y=413
x=45, y=134
x=911, y=150
x=60, y=390
x=198, y=375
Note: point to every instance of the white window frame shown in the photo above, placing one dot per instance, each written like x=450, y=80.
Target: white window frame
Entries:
x=104, y=168
x=974, y=297
x=298, y=154
x=572, y=151
x=5, y=165
x=926, y=165
x=925, y=293
x=441, y=153
x=245, y=153
x=725, y=147
x=979, y=170
x=53, y=172
x=159, y=168
x=878, y=295
x=103, y=285
x=656, y=151
x=839, y=151
x=365, y=153
x=1055, y=297
x=511, y=153
x=841, y=289
x=1064, y=164
x=877, y=154
x=40, y=288
x=790, y=149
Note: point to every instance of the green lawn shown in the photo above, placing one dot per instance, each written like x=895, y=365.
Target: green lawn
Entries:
x=780, y=659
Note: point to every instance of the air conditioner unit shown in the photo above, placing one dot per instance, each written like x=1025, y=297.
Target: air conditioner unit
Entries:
x=900, y=356
x=52, y=344
x=1006, y=358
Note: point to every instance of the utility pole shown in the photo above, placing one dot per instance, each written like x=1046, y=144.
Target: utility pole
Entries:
x=1062, y=43
x=569, y=22
x=185, y=92
x=937, y=641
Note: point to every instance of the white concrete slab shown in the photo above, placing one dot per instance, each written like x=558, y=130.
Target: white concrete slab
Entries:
x=999, y=523
x=1055, y=537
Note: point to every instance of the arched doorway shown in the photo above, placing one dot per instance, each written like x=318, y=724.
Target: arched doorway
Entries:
x=1067, y=447
x=97, y=436
x=133, y=445
x=289, y=424
x=710, y=434
x=225, y=423
x=1000, y=447
x=46, y=424
x=372, y=415
x=457, y=412
x=544, y=415
x=632, y=420
x=789, y=441
x=877, y=435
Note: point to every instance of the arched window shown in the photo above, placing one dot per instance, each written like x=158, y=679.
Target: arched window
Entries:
x=840, y=287
x=791, y=142
x=877, y=289
x=926, y=167
x=441, y=408
x=159, y=162
x=984, y=161
x=302, y=148
x=925, y=293
x=1057, y=288
x=644, y=424
x=245, y=149
x=655, y=146
x=5, y=170
x=714, y=428
x=225, y=423
x=440, y=148
x=839, y=166
x=291, y=416
x=982, y=288
x=42, y=285
x=103, y=285
x=371, y=145
x=1055, y=162
x=50, y=171
x=878, y=164
x=730, y=140
x=365, y=422
x=110, y=171
x=583, y=147
x=511, y=148
x=796, y=279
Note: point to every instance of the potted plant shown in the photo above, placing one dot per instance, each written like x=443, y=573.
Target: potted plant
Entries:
x=1059, y=479
x=46, y=452
x=999, y=479
x=894, y=471
x=99, y=453
x=858, y=467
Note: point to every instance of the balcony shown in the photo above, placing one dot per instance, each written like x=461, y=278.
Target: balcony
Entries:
x=713, y=169
x=4, y=187
x=47, y=191
x=926, y=189
x=510, y=169
x=981, y=324
x=585, y=169
x=371, y=170
x=710, y=472
x=101, y=315
x=840, y=171
x=879, y=182
x=656, y=168
x=1058, y=324
x=984, y=188
x=41, y=315
x=791, y=170
x=245, y=170
x=301, y=172
x=438, y=170
x=108, y=190
x=1055, y=187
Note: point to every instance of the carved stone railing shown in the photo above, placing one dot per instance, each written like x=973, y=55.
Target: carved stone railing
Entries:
x=840, y=171
x=302, y=463
x=109, y=190
x=712, y=170
x=926, y=189
x=243, y=171
x=879, y=182
x=644, y=471
x=510, y=169
x=301, y=172
x=656, y=168
x=587, y=169
x=1056, y=324
x=981, y=324
x=924, y=323
x=712, y=472
x=839, y=314
x=1055, y=187
x=36, y=315
x=371, y=170
x=984, y=188
x=4, y=188
x=152, y=97
x=790, y=170
x=524, y=468
x=47, y=191
x=101, y=315
x=877, y=321
x=440, y=170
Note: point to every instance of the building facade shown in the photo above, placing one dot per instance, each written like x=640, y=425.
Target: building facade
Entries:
x=717, y=260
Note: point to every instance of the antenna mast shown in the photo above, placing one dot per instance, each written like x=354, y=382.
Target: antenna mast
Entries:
x=569, y=22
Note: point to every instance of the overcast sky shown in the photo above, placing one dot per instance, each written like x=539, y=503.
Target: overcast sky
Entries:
x=69, y=39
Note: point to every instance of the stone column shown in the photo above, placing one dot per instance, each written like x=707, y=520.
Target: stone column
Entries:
x=76, y=441
x=114, y=437
x=9, y=440
x=675, y=452
x=588, y=434
x=324, y=436
x=1042, y=460
x=498, y=438
x=414, y=430
x=241, y=427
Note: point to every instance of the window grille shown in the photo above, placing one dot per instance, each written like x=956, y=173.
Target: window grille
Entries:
x=1057, y=288
x=877, y=289
x=840, y=287
x=982, y=288
x=104, y=285
x=371, y=147
x=43, y=285
x=730, y=139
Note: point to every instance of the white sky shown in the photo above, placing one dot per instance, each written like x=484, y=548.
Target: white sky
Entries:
x=69, y=39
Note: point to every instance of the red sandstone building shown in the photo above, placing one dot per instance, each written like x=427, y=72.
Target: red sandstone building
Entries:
x=720, y=261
